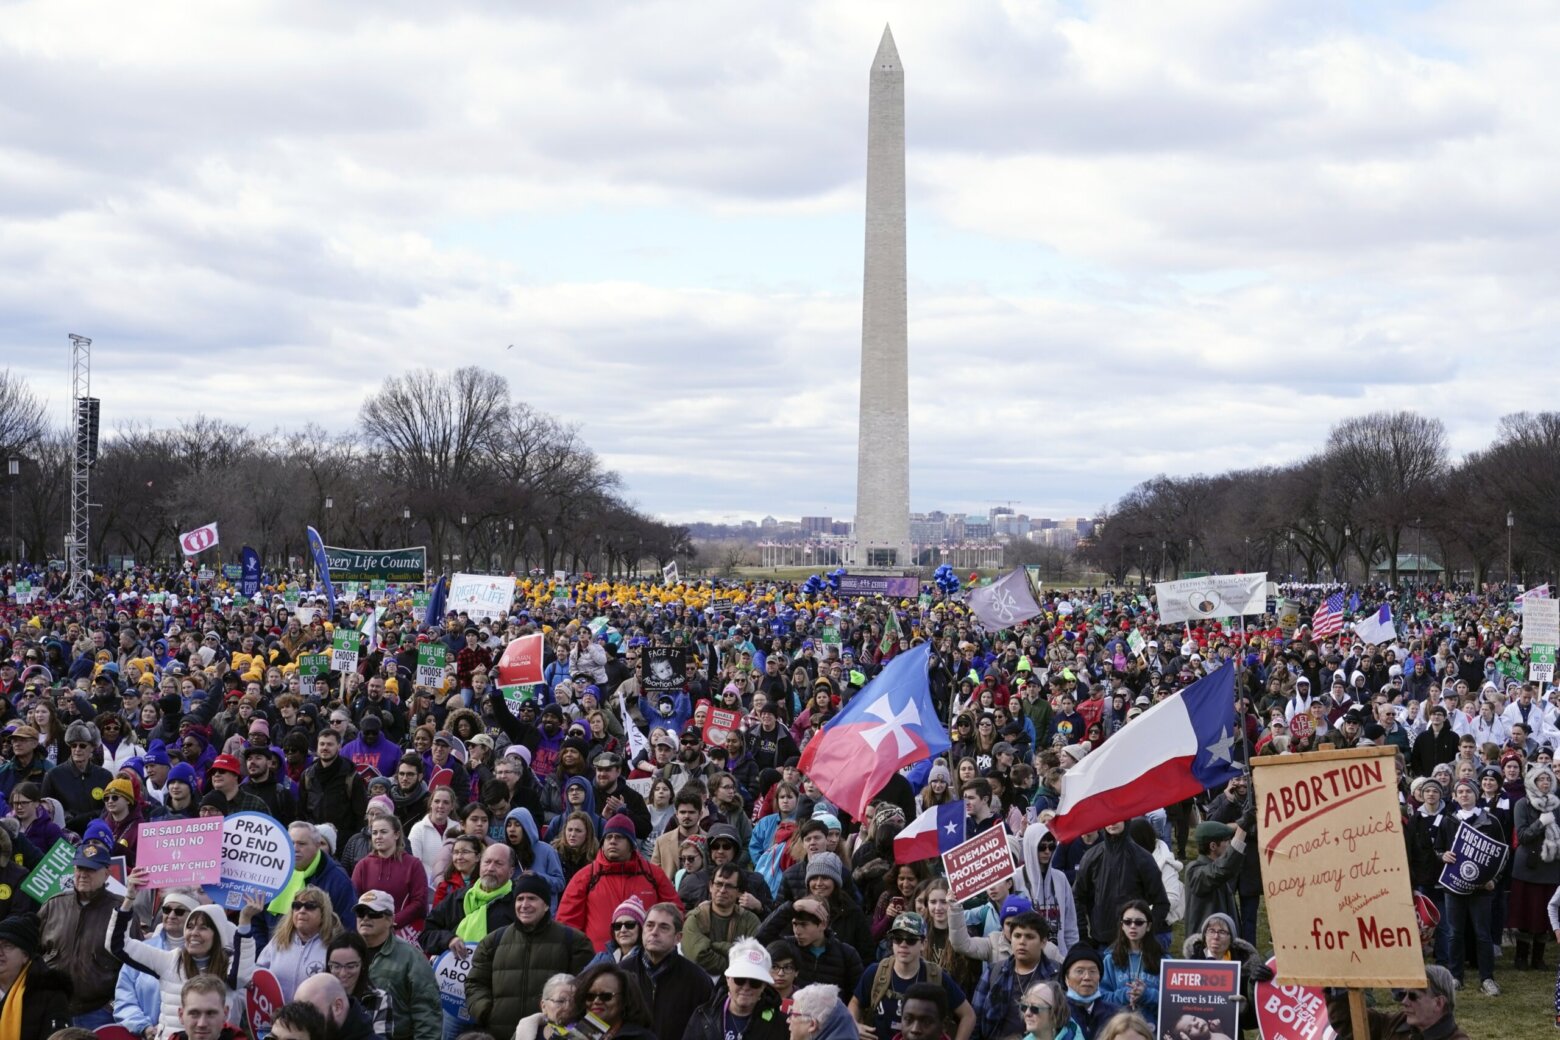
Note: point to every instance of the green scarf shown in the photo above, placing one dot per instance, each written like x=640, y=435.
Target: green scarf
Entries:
x=282, y=904
x=473, y=927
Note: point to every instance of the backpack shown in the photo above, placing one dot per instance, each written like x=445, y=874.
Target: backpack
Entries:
x=881, y=985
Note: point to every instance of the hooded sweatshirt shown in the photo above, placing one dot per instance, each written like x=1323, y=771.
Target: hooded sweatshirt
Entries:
x=544, y=858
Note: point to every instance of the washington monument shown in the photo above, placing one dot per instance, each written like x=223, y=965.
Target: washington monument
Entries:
x=882, y=530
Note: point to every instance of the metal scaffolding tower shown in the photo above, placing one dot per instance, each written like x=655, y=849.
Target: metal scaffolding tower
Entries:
x=84, y=414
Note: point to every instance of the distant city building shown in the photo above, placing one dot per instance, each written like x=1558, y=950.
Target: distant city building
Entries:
x=818, y=524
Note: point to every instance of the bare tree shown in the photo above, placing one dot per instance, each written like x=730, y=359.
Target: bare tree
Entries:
x=1390, y=463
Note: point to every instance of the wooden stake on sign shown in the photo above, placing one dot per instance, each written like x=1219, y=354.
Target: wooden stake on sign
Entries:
x=1359, y=1019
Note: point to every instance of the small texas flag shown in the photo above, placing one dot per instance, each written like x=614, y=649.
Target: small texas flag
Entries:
x=932, y=833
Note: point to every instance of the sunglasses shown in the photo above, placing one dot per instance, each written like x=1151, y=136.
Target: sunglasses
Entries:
x=624, y=926
x=1035, y=1009
x=80, y=744
x=747, y=983
x=1410, y=995
x=364, y=913
x=1135, y=922
x=598, y=997
x=174, y=911
x=904, y=940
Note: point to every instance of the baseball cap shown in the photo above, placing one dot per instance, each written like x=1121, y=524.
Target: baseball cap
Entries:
x=749, y=960
x=92, y=855
x=374, y=899
x=226, y=763
x=909, y=923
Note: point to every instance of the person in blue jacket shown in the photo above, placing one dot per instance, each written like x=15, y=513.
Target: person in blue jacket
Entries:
x=532, y=855
x=669, y=710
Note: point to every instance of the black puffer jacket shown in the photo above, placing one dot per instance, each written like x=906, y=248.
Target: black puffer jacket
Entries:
x=512, y=964
x=1115, y=870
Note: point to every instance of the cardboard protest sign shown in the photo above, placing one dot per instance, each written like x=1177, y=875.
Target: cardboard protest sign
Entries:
x=43, y=881
x=181, y=852
x=1335, y=869
x=344, y=646
x=1479, y=861
x=431, y=661
x=669, y=576
x=449, y=971
x=480, y=596
x=521, y=664
x=257, y=857
x=665, y=668
x=1199, y=998
x=264, y=1000
x=978, y=863
x=718, y=723
x=312, y=669
x=1289, y=1012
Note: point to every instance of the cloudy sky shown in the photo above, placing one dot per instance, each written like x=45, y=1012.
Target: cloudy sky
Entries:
x=1144, y=237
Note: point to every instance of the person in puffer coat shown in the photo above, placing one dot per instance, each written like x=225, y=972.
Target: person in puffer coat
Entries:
x=510, y=966
x=618, y=872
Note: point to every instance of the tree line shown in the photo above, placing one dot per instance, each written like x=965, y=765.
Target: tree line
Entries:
x=450, y=460
x=1382, y=486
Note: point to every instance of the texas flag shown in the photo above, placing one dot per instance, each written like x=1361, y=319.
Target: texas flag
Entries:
x=889, y=724
x=932, y=833
x=1180, y=747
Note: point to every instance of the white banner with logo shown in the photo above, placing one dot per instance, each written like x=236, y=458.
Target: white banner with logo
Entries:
x=1214, y=596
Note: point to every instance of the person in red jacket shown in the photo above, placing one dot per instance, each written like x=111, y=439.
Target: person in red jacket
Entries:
x=619, y=871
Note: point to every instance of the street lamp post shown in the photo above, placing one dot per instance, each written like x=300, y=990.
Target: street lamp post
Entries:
x=330, y=504
x=1511, y=521
x=406, y=521
x=1419, y=551
x=465, y=548
x=13, y=471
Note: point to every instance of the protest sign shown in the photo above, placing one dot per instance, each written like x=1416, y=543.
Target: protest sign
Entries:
x=666, y=668
x=1335, y=869
x=232, y=571
x=669, y=574
x=721, y=604
x=431, y=661
x=449, y=971
x=377, y=589
x=312, y=669
x=480, y=596
x=521, y=664
x=257, y=858
x=1288, y=615
x=878, y=585
x=1479, y=859
x=1199, y=998
x=264, y=999
x=408, y=566
x=1302, y=726
x=181, y=852
x=717, y=724
x=975, y=865
x=1540, y=635
x=1136, y=643
x=1289, y=1012
x=514, y=696
x=1212, y=596
x=198, y=540
x=344, y=644
x=43, y=882
x=441, y=778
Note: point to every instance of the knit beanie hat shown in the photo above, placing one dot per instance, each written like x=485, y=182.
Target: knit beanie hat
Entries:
x=939, y=772
x=533, y=884
x=1081, y=952
x=22, y=931
x=825, y=864
x=182, y=773
x=1226, y=919
x=381, y=803
x=632, y=907
x=119, y=785
x=621, y=825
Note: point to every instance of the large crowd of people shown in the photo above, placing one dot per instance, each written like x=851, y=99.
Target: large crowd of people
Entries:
x=600, y=861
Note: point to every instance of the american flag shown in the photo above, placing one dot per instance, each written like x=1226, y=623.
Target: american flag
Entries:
x=1329, y=617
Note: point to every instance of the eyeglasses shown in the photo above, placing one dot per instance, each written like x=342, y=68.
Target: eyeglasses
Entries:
x=174, y=911
x=782, y=969
x=79, y=744
x=1035, y=1009
x=624, y=926
x=1216, y=930
x=18, y=803
x=337, y=967
x=1135, y=922
x=305, y=905
x=598, y=997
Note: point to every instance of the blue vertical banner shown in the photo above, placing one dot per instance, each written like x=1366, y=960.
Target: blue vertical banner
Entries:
x=249, y=581
x=434, y=615
x=322, y=568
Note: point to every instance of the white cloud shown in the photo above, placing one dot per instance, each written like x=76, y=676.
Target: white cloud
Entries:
x=1132, y=226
